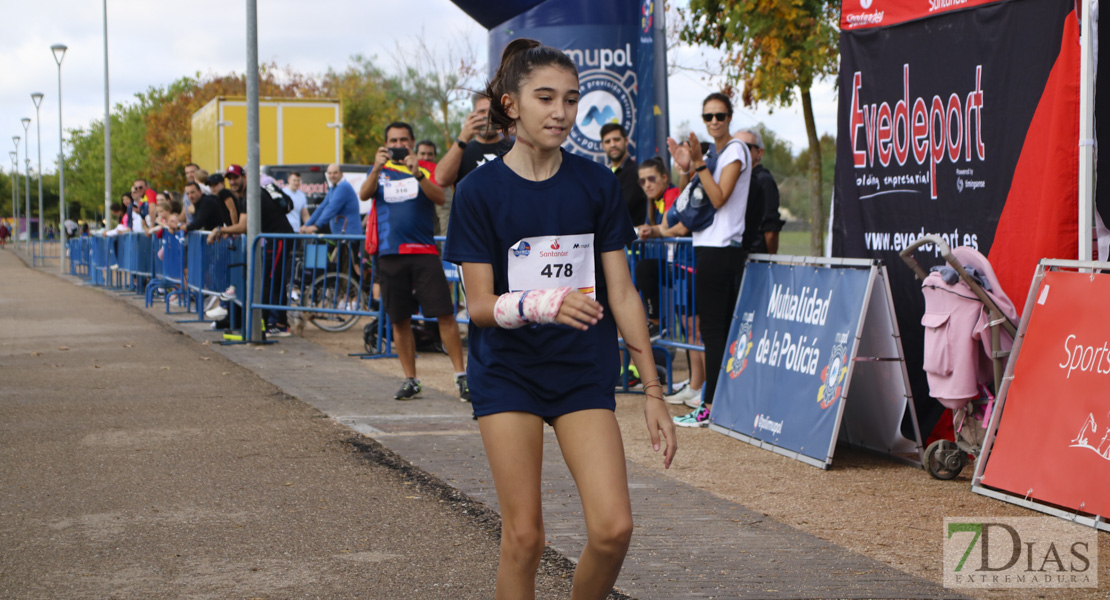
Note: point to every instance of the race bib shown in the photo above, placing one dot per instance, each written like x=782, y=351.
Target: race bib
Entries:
x=399, y=190
x=545, y=262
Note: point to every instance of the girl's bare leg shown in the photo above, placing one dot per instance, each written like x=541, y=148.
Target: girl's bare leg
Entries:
x=591, y=444
x=514, y=446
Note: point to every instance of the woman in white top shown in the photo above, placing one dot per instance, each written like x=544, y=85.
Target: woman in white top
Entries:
x=718, y=248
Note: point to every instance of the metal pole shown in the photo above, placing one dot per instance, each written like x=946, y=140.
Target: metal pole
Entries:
x=107, y=133
x=63, y=210
x=37, y=99
x=1086, y=135
x=15, y=198
x=27, y=181
x=254, y=215
x=15, y=193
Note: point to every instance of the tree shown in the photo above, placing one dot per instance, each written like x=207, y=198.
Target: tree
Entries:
x=370, y=102
x=778, y=49
x=438, y=85
x=169, y=113
x=85, y=159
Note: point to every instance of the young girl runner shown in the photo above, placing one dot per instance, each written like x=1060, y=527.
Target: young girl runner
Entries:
x=540, y=235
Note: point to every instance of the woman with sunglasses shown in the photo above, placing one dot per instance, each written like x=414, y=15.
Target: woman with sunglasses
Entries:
x=718, y=248
x=656, y=183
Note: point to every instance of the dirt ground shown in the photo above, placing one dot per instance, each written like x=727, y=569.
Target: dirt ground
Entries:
x=867, y=503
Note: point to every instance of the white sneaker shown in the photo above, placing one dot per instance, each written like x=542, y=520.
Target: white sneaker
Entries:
x=215, y=313
x=684, y=396
x=695, y=402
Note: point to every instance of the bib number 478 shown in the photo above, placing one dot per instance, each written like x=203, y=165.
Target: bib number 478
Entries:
x=558, y=270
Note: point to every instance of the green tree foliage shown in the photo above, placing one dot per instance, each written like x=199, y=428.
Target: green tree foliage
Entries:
x=85, y=158
x=370, y=101
x=777, y=49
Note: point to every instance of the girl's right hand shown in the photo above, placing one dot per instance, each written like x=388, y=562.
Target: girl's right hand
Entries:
x=579, y=311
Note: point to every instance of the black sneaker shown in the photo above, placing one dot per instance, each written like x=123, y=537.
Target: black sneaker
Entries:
x=409, y=390
x=276, y=330
x=464, y=388
x=653, y=331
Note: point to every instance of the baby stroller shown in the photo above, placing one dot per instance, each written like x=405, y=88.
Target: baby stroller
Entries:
x=969, y=330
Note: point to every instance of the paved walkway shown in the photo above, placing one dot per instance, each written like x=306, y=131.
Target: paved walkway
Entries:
x=720, y=550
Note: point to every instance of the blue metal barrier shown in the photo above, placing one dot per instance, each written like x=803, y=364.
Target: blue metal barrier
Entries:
x=321, y=277
x=44, y=250
x=667, y=266
x=80, y=257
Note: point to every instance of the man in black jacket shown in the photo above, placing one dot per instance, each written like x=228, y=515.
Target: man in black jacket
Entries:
x=209, y=211
x=762, y=222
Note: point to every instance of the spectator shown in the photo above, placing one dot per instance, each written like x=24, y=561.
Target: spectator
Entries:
x=202, y=181
x=225, y=197
x=276, y=255
x=479, y=142
x=210, y=211
x=132, y=215
x=299, y=214
x=762, y=223
x=71, y=227
x=661, y=196
x=614, y=141
x=84, y=230
x=188, y=210
x=426, y=150
x=339, y=208
x=718, y=248
x=5, y=233
x=405, y=195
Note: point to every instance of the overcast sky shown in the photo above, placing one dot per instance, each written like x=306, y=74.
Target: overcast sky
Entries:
x=152, y=43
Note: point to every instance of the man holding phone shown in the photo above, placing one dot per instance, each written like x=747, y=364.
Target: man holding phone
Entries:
x=405, y=195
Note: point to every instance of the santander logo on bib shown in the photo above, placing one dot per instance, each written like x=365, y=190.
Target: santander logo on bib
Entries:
x=555, y=244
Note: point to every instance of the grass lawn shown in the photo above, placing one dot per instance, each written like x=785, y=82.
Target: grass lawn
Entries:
x=794, y=243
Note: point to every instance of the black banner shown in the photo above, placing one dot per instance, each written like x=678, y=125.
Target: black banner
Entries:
x=935, y=116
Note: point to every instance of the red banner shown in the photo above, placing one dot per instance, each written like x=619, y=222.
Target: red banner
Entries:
x=1053, y=441
x=861, y=14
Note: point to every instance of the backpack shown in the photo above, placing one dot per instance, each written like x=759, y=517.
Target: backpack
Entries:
x=282, y=200
x=693, y=208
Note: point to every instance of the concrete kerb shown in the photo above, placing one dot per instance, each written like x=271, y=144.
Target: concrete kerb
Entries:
x=726, y=550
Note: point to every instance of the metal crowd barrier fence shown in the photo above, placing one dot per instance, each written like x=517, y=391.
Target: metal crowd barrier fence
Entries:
x=319, y=278
x=80, y=256
x=664, y=272
x=44, y=250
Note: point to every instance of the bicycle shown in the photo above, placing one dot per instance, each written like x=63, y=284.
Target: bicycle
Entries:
x=331, y=289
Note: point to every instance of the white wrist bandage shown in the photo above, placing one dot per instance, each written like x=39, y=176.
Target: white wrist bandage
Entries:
x=517, y=309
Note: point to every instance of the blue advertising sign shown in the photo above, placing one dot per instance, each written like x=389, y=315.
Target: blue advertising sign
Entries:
x=612, y=45
x=789, y=350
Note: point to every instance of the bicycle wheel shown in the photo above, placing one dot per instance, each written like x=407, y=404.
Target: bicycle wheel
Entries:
x=335, y=291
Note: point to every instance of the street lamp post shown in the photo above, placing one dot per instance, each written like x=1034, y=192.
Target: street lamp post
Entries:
x=15, y=201
x=15, y=193
x=59, y=51
x=27, y=179
x=36, y=97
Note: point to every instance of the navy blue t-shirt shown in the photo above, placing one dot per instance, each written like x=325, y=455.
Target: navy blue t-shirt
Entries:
x=548, y=370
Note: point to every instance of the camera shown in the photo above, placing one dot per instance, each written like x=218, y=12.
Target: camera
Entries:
x=398, y=154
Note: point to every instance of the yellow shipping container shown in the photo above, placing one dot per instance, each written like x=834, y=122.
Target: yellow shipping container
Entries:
x=290, y=131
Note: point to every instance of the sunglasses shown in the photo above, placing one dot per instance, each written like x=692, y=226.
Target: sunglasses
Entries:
x=752, y=146
x=648, y=179
x=707, y=117
x=138, y=188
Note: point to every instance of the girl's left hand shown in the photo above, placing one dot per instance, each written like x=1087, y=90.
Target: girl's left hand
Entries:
x=660, y=424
